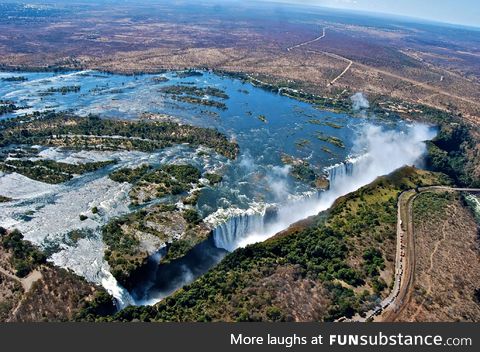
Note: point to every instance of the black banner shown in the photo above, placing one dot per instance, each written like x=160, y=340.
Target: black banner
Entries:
x=239, y=337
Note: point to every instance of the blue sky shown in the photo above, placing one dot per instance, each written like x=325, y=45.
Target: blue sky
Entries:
x=465, y=12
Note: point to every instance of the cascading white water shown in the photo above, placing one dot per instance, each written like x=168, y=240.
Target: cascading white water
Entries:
x=339, y=171
x=383, y=152
x=122, y=297
x=350, y=168
x=229, y=233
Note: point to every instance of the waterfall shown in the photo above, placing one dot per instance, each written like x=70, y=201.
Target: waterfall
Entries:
x=257, y=225
x=384, y=152
x=340, y=171
x=228, y=235
x=235, y=228
x=122, y=296
x=347, y=170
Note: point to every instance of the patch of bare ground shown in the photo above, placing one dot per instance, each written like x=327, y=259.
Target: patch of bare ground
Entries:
x=46, y=293
x=57, y=296
x=312, y=72
x=287, y=290
x=447, y=267
x=396, y=69
x=10, y=295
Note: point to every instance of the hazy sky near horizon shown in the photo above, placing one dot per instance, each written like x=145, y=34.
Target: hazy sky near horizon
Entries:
x=465, y=12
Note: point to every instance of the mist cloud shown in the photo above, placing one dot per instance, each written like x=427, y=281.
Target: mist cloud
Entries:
x=359, y=102
x=381, y=152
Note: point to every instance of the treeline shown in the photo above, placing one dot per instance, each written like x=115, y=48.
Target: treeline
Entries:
x=123, y=253
x=7, y=108
x=180, y=229
x=15, y=79
x=200, y=101
x=130, y=175
x=50, y=171
x=195, y=91
x=456, y=152
x=150, y=183
x=41, y=128
x=25, y=256
x=343, y=252
x=63, y=90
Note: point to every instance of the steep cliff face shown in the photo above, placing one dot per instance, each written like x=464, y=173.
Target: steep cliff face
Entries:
x=32, y=290
x=456, y=152
x=341, y=260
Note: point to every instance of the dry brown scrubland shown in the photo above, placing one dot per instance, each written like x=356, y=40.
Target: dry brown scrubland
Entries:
x=447, y=268
x=411, y=64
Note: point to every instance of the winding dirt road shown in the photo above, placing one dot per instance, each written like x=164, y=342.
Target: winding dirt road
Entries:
x=335, y=56
x=308, y=42
x=390, y=308
x=414, y=83
x=27, y=281
x=405, y=257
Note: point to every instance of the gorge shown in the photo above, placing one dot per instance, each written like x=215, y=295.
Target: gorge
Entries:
x=256, y=197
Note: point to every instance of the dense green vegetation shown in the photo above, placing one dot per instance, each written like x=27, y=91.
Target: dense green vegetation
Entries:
x=189, y=73
x=150, y=183
x=456, y=153
x=194, y=91
x=196, y=95
x=4, y=199
x=213, y=178
x=15, y=79
x=182, y=173
x=429, y=204
x=176, y=249
x=123, y=237
x=7, y=108
x=101, y=305
x=63, y=90
x=25, y=256
x=330, y=139
x=123, y=254
x=303, y=172
x=165, y=180
x=50, y=171
x=62, y=129
x=130, y=175
x=191, y=216
x=373, y=264
x=200, y=101
x=360, y=228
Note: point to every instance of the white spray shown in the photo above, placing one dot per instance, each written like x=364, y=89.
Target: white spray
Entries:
x=382, y=151
x=359, y=102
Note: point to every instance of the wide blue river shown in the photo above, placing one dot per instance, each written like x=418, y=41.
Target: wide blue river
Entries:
x=266, y=126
